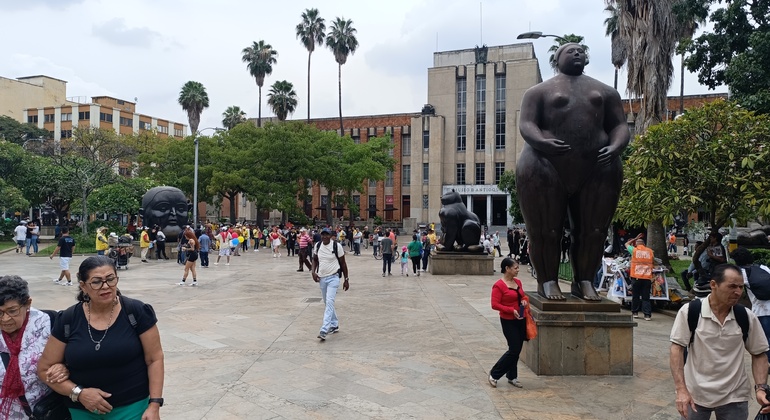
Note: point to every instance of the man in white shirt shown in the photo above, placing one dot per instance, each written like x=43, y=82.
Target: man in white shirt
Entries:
x=20, y=236
x=756, y=279
x=325, y=271
x=714, y=379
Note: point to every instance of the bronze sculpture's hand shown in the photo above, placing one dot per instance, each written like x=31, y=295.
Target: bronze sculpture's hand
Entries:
x=606, y=154
x=552, y=146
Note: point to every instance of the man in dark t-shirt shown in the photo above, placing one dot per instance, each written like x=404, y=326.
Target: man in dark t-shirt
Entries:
x=64, y=248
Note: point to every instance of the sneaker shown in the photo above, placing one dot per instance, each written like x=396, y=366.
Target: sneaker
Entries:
x=390, y=274
x=636, y=315
x=418, y=274
x=216, y=263
x=383, y=274
x=334, y=330
x=492, y=381
x=69, y=283
x=57, y=281
x=299, y=271
x=227, y=264
x=516, y=383
x=647, y=318
x=322, y=336
x=194, y=283
x=181, y=283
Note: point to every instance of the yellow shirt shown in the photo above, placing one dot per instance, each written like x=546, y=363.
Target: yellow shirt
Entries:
x=101, y=246
x=144, y=239
x=432, y=238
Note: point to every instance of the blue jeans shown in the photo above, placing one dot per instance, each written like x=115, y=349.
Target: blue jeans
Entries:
x=204, y=258
x=329, y=286
x=736, y=410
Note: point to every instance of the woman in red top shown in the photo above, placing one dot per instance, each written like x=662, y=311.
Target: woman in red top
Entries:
x=509, y=299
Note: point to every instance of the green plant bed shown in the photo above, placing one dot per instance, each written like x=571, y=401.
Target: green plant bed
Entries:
x=7, y=245
x=677, y=266
x=46, y=248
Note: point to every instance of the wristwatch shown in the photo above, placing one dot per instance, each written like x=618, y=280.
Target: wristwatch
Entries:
x=75, y=393
x=763, y=387
x=159, y=401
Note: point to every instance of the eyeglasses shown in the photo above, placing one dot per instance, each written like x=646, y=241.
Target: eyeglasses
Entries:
x=96, y=283
x=12, y=312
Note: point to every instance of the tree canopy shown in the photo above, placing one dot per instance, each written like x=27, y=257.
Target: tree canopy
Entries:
x=508, y=184
x=713, y=158
x=16, y=132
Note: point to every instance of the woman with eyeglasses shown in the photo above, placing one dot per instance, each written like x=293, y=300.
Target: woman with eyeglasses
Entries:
x=111, y=345
x=25, y=332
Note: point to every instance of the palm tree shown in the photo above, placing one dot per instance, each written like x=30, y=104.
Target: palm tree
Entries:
x=194, y=100
x=233, y=116
x=690, y=15
x=342, y=41
x=577, y=39
x=259, y=58
x=310, y=31
x=282, y=98
x=618, y=49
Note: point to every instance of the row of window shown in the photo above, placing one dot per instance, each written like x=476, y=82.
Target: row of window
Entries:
x=481, y=114
x=406, y=174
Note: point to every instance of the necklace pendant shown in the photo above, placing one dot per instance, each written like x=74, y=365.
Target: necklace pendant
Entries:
x=98, y=346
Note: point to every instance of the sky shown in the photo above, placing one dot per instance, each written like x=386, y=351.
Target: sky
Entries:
x=148, y=49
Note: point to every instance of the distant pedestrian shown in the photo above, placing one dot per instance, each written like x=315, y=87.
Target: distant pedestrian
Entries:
x=328, y=266
x=190, y=246
x=65, y=247
x=205, y=245
x=144, y=243
x=404, y=259
x=415, y=253
x=509, y=299
x=305, y=244
x=20, y=236
x=223, y=242
x=388, y=247
x=160, y=245
x=642, y=260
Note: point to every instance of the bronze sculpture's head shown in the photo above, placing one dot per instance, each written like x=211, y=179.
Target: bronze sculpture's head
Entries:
x=166, y=207
x=571, y=59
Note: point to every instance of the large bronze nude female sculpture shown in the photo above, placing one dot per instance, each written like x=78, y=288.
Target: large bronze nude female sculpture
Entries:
x=575, y=131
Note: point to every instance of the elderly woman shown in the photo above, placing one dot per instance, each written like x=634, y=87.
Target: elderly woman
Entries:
x=111, y=346
x=25, y=331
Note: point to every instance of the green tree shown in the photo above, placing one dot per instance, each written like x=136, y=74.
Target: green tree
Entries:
x=508, y=184
x=618, y=47
x=342, y=41
x=714, y=158
x=577, y=39
x=11, y=198
x=740, y=37
x=193, y=99
x=311, y=32
x=122, y=197
x=233, y=116
x=229, y=176
x=259, y=58
x=282, y=99
x=16, y=132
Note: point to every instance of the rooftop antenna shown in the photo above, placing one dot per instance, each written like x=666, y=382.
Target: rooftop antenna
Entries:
x=436, y=41
x=481, y=28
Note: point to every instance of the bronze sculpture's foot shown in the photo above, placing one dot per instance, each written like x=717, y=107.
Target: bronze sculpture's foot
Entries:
x=475, y=248
x=550, y=290
x=584, y=289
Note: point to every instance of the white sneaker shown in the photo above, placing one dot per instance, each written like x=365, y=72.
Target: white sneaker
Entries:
x=57, y=281
x=227, y=264
x=181, y=283
x=194, y=283
x=69, y=283
x=216, y=263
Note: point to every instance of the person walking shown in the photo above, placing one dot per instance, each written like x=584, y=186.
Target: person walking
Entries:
x=509, y=299
x=756, y=280
x=305, y=243
x=205, y=245
x=223, y=243
x=20, y=236
x=415, y=254
x=404, y=258
x=376, y=242
x=641, y=271
x=426, y=248
x=275, y=241
x=64, y=248
x=387, y=252
x=328, y=263
x=714, y=378
x=160, y=245
x=102, y=244
x=144, y=243
x=190, y=246
x=357, y=238
x=496, y=244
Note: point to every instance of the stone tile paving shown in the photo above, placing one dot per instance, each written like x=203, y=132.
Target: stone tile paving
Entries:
x=243, y=345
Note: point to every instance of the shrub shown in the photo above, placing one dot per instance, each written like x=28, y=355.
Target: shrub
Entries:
x=761, y=256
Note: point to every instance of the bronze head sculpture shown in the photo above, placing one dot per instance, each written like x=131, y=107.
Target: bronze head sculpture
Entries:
x=167, y=208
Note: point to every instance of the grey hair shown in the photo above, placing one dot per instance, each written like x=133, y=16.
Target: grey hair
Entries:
x=13, y=288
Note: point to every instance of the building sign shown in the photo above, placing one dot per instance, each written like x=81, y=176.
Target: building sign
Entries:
x=473, y=189
x=388, y=200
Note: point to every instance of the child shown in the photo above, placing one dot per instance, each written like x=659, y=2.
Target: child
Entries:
x=404, y=261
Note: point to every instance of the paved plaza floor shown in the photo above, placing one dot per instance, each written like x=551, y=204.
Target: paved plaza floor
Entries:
x=243, y=345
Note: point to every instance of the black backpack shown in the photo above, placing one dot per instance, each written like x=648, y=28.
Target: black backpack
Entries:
x=759, y=281
x=693, y=316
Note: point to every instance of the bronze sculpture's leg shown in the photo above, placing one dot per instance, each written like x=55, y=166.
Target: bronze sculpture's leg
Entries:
x=591, y=211
x=543, y=202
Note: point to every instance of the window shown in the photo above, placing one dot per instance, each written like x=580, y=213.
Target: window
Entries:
x=66, y=117
x=481, y=111
x=105, y=117
x=162, y=129
x=357, y=139
x=389, y=178
x=357, y=202
x=480, y=174
x=372, y=183
x=120, y=102
x=32, y=119
x=145, y=125
x=372, y=206
x=499, y=170
x=425, y=201
x=425, y=173
x=178, y=132
x=460, y=174
x=500, y=112
x=462, y=103
x=406, y=175
x=49, y=118
x=65, y=134
x=128, y=122
x=425, y=139
x=84, y=115
x=406, y=144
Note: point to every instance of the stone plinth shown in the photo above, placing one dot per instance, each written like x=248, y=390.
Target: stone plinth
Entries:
x=577, y=337
x=461, y=263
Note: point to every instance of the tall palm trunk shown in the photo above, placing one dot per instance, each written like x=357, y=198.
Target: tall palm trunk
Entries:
x=681, y=86
x=308, y=85
x=615, y=85
x=339, y=82
x=259, y=112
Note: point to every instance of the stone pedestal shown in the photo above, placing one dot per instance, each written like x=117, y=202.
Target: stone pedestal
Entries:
x=577, y=337
x=461, y=263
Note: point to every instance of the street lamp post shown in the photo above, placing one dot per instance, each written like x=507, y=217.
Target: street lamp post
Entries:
x=195, y=177
x=536, y=35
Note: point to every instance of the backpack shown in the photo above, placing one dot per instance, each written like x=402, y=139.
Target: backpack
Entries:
x=128, y=305
x=334, y=250
x=759, y=281
x=693, y=316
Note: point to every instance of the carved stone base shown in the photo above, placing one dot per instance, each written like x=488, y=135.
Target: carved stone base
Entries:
x=580, y=338
x=461, y=263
